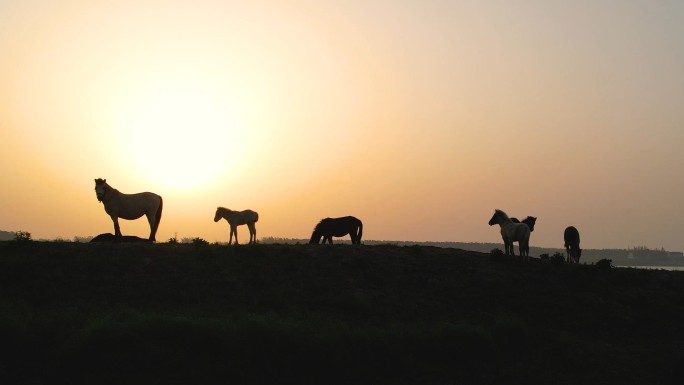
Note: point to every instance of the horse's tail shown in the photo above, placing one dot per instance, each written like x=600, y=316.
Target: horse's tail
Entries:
x=360, y=231
x=157, y=217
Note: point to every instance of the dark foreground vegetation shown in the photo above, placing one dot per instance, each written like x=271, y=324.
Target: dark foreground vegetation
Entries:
x=74, y=313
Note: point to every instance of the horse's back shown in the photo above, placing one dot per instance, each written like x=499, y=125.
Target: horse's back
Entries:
x=345, y=221
x=351, y=220
x=338, y=226
x=238, y=218
x=252, y=215
x=571, y=236
x=133, y=206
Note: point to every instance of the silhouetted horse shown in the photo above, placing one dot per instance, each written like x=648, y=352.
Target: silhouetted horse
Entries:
x=129, y=206
x=529, y=221
x=238, y=218
x=337, y=227
x=512, y=232
x=572, y=244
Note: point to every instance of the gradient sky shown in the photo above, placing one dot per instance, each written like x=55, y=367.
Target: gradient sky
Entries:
x=418, y=117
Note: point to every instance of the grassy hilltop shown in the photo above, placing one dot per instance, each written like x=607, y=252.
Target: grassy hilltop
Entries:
x=74, y=313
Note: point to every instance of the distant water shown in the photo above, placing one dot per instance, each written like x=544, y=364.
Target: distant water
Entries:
x=672, y=268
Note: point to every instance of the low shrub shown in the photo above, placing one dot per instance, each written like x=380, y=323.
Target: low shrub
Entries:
x=604, y=265
x=22, y=236
x=557, y=258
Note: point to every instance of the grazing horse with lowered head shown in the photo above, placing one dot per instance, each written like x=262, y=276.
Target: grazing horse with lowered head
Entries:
x=337, y=227
x=512, y=232
x=572, y=244
x=238, y=218
x=529, y=221
x=129, y=206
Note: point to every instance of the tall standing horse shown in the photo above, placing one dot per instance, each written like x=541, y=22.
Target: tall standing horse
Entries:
x=572, y=244
x=337, y=227
x=512, y=232
x=238, y=218
x=129, y=206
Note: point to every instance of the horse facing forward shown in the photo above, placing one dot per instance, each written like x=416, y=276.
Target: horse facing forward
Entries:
x=337, y=227
x=238, y=218
x=572, y=242
x=129, y=206
x=512, y=232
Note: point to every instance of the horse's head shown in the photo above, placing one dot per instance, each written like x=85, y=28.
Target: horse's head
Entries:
x=496, y=218
x=530, y=221
x=217, y=216
x=100, y=188
x=316, y=238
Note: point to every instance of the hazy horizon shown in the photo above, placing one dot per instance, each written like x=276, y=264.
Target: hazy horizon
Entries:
x=419, y=118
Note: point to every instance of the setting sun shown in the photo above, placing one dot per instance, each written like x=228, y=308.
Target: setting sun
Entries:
x=181, y=136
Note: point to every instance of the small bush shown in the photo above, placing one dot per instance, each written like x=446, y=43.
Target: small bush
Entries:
x=544, y=257
x=557, y=258
x=199, y=241
x=22, y=236
x=604, y=265
x=497, y=255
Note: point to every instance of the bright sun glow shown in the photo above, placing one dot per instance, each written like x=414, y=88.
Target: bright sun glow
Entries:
x=182, y=138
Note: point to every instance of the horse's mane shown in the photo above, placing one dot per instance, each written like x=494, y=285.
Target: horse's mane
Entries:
x=502, y=214
x=319, y=223
x=223, y=209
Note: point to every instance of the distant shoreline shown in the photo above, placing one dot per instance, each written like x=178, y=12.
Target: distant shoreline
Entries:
x=656, y=267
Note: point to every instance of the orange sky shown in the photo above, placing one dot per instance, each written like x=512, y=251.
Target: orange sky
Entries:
x=420, y=118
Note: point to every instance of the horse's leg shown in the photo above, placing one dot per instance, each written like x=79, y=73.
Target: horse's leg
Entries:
x=153, y=227
x=236, y=238
x=523, y=251
x=230, y=239
x=117, y=229
x=252, y=232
